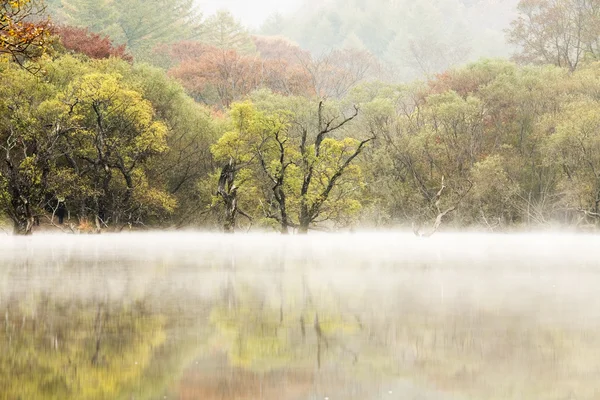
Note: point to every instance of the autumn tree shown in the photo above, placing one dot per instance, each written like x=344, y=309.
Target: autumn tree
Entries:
x=220, y=77
x=23, y=33
x=334, y=73
x=93, y=45
x=192, y=129
x=559, y=32
x=470, y=140
x=170, y=55
x=279, y=48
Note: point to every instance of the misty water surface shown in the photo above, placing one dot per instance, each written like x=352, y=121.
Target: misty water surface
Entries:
x=363, y=316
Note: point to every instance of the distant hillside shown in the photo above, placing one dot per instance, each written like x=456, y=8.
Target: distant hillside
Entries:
x=419, y=37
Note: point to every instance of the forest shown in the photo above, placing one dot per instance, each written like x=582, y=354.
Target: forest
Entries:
x=146, y=114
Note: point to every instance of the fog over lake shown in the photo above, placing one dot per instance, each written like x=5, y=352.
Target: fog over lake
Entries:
x=265, y=316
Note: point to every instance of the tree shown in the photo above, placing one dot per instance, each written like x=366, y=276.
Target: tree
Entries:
x=307, y=177
x=336, y=72
x=478, y=132
x=234, y=149
x=140, y=25
x=220, y=77
x=22, y=35
x=279, y=48
x=224, y=32
x=559, y=32
x=319, y=177
x=115, y=134
x=574, y=148
x=192, y=129
x=30, y=136
x=117, y=144
x=99, y=16
x=170, y=55
x=81, y=40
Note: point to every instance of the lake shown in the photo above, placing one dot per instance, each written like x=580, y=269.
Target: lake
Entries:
x=325, y=316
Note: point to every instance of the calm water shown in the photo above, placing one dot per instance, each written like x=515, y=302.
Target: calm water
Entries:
x=363, y=316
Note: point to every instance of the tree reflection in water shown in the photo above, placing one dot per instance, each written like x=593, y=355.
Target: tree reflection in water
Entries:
x=193, y=316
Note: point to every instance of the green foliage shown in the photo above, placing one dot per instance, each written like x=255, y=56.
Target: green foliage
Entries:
x=278, y=335
x=490, y=143
x=501, y=140
x=139, y=24
x=575, y=148
x=191, y=131
x=224, y=32
x=55, y=347
x=269, y=146
x=90, y=134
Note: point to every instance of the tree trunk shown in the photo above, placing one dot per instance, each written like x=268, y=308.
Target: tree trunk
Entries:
x=230, y=211
x=280, y=197
x=228, y=192
x=304, y=223
x=23, y=225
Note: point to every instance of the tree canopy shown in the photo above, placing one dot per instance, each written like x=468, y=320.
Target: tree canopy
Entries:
x=225, y=129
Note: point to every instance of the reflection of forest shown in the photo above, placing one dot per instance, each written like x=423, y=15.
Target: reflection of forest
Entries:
x=216, y=379
x=76, y=350
x=287, y=326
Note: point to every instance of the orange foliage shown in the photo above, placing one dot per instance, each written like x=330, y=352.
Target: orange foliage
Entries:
x=20, y=35
x=217, y=76
x=463, y=84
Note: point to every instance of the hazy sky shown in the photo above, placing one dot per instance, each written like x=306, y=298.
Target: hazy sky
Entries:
x=251, y=13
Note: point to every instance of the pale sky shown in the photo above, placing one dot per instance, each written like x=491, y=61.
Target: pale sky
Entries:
x=252, y=13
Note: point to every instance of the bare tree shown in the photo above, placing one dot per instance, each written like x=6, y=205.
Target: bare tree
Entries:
x=560, y=32
x=440, y=214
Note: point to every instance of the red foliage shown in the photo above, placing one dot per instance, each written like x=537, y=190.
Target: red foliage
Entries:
x=218, y=76
x=81, y=40
x=462, y=84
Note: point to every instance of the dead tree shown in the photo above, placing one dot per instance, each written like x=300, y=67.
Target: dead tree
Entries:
x=440, y=214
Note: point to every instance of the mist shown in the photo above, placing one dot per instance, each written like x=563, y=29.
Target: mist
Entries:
x=251, y=14
x=359, y=316
x=341, y=199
